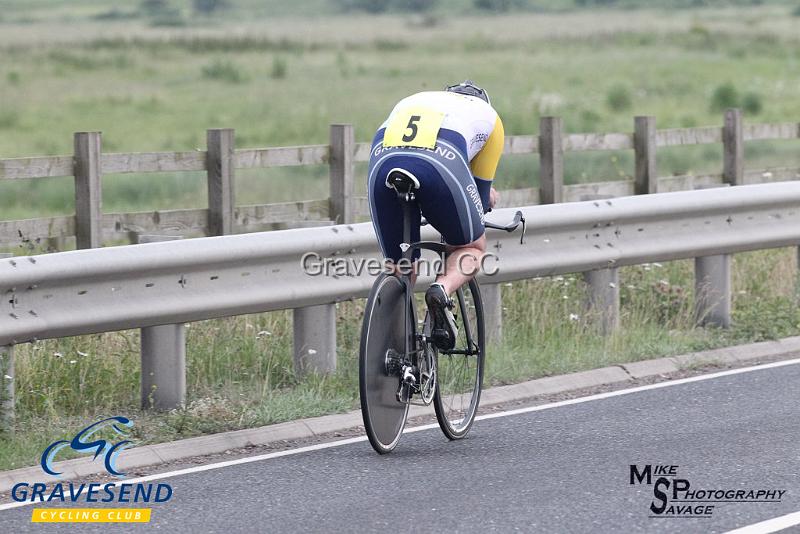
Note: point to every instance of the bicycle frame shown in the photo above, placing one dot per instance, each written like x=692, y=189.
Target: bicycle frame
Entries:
x=410, y=333
x=414, y=366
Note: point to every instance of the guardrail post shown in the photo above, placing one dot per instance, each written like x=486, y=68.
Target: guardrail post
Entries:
x=733, y=148
x=315, y=339
x=644, y=146
x=491, y=294
x=712, y=286
x=602, y=300
x=342, y=173
x=7, y=390
x=6, y=383
x=551, y=160
x=88, y=190
x=797, y=276
x=220, y=144
x=163, y=354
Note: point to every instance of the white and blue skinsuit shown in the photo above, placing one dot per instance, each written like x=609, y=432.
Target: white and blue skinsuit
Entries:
x=455, y=173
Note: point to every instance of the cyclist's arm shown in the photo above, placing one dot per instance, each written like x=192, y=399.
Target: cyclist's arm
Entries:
x=484, y=164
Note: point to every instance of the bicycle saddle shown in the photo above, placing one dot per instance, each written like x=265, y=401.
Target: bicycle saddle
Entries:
x=401, y=180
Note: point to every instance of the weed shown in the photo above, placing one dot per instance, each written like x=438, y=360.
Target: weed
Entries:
x=208, y=7
x=222, y=70
x=389, y=45
x=168, y=20
x=279, y=68
x=115, y=14
x=8, y=119
x=752, y=103
x=618, y=98
x=724, y=96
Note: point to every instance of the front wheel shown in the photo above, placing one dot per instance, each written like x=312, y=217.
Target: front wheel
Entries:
x=382, y=341
x=460, y=370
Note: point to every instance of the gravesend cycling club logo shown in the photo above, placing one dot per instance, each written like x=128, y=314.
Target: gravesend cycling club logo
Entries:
x=674, y=496
x=81, y=443
x=104, y=440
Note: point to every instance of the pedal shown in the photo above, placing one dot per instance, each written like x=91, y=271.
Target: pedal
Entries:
x=408, y=384
x=404, y=393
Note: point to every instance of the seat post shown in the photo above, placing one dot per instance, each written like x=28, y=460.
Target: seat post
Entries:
x=406, y=200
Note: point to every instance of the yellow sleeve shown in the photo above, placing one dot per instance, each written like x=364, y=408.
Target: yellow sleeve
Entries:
x=484, y=164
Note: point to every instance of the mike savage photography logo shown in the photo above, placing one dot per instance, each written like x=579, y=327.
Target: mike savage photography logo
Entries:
x=104, y=441
x=674, y=496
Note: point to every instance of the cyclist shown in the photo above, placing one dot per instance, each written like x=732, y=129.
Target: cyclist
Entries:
x=449, y=144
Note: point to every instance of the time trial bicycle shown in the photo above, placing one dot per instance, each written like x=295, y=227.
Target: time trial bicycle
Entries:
x=399, y=365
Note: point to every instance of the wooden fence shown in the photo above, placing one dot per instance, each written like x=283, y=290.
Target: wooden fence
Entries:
x=91, y=227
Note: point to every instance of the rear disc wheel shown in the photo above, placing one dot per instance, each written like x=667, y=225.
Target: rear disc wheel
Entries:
x=381, y=335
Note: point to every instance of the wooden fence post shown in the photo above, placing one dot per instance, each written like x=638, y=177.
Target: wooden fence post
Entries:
x=220, y=165
x=551, y=160
x=88, y=190
x=733, y=148
x=342, y=173
x=163, y=358
x=644, y=146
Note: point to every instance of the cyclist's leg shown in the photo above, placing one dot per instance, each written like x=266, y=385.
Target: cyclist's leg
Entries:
x=462, y=265
x=450, y=201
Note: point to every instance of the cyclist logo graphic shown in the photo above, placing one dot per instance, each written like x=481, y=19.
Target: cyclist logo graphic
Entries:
x=82, y=443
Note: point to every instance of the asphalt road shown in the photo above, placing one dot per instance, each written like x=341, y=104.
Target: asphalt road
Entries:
x=564, y=469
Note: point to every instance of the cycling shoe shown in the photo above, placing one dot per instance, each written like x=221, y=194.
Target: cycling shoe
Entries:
x=444, y=329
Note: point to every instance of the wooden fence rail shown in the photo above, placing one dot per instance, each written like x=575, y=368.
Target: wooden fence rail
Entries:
x=91, y=227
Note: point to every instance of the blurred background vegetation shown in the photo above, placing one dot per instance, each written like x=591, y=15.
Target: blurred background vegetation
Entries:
x=153, y=75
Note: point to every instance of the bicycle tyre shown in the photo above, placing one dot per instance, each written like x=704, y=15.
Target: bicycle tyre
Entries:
x=384, y=416
x=459, y=376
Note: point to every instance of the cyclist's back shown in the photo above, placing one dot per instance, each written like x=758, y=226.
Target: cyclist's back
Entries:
x=468, y=116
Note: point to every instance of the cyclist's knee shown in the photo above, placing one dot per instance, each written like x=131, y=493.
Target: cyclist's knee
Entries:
x=479, y=244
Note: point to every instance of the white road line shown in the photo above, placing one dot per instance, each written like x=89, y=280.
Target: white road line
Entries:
x=329, y=445
x=771, y=525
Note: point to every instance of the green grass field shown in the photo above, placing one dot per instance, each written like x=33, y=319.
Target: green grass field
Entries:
x=283, y=81
x=280, y=73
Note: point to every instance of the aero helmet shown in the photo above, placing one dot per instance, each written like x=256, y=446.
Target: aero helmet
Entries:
x=468, y=87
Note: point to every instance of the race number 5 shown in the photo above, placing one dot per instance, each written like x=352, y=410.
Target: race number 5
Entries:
x=413, y=127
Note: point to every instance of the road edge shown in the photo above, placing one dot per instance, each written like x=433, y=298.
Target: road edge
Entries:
x=149, y=455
